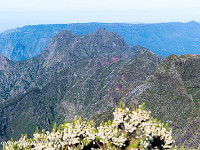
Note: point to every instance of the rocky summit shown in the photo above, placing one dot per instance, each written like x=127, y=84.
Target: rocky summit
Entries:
x=88, y=75
x=161, y=38
x=68, y=59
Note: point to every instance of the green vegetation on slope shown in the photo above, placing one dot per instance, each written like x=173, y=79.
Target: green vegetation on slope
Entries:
x=130, y=129
x=83, y=89
x=66, y=81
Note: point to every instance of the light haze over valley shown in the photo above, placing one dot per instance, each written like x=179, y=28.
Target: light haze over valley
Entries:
x=130, y=69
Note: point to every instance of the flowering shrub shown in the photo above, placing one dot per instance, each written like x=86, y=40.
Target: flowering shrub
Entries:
x=129, y=130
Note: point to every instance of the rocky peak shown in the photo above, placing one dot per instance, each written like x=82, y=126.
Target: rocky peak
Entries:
x=100, y=31
x=63, y=37
x=110, y=42
x=65, y=34
x=70, y=47
x=107, y=35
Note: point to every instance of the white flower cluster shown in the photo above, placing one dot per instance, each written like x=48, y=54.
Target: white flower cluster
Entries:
x=130, y=120
x=108, y=133
x=79, y=132
x=152, y=129
x=135, y=127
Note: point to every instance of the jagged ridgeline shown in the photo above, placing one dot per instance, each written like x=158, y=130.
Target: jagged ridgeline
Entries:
x=88, y=76
x=69, y=78
x=130, y=129
x=162, y=38
x=65, y=49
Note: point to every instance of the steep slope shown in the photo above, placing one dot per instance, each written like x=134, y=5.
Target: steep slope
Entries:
x=40, y=76
x=85, y=88
x=5, y=65
x=162, y=38
x=64, y=49
x=89, y=75
x=173, y=95
x=93, y=88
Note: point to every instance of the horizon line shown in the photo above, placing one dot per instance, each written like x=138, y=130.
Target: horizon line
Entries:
x=7, y=30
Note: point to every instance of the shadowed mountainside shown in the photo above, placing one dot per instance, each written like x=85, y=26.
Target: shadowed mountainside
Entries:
x=89, y=75
x=85, y=88
x=65, y=49
x=73, y=74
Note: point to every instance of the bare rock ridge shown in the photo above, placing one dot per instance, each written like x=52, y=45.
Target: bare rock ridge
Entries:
x=64, y=49
x=43, y=86
x=88, y=75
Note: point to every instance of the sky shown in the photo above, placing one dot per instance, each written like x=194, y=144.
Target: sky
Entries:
x=18, y=13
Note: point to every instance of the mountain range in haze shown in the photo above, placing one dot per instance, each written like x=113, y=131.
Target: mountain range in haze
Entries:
x=161, y=38
x=88, y=75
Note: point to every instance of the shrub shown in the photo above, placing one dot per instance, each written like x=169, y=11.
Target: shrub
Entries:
x=129, y=130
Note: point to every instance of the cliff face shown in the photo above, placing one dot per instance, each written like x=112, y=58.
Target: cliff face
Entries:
x=173, y=96
x=65, y=49
x=89, y=75
x=87, y=88
x=21, y=82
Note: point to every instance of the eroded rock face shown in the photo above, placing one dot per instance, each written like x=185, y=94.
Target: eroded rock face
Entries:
x=77, y=76
x=64, y=49
x=76, y=56
x=173, y=95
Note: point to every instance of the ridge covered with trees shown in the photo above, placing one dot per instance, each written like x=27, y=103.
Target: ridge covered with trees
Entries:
x=88, y=76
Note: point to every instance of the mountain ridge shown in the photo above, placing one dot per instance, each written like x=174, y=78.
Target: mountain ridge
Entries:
x=88, y=75
x=162, y=38
x=65, y=48
x=169, y=97
x=63, y=93
x=70, y=64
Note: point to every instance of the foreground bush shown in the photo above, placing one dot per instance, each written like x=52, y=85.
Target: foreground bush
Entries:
x=129, y=130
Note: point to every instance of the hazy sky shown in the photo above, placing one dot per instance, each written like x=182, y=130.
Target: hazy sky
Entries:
x=17, y=13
